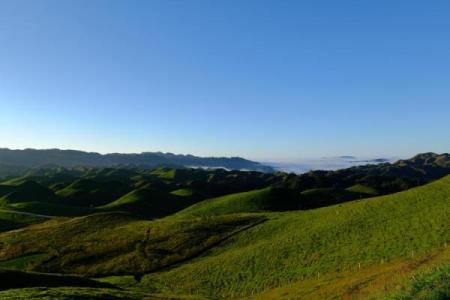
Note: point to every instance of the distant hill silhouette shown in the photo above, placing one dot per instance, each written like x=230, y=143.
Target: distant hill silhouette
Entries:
x=384, y=178
x=71, y=158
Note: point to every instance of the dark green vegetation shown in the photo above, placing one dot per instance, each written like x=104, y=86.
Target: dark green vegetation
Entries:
x=16, y=279
x=179, y=233
x=150, y=203
x=10, y=220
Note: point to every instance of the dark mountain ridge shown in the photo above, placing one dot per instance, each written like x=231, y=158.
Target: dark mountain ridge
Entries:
x=34, y=158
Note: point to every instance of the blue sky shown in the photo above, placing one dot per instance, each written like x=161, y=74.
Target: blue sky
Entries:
x=267, y=80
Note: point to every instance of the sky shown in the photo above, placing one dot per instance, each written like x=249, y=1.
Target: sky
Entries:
x=266, y=80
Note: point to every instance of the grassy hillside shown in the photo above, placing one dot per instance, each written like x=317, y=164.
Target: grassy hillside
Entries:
x=25, y=192
x=148, y=203
x=337, y=250
x=89, y=192
x=271, y=199
x=363, y=189
x=115, y=243
x=268, y=199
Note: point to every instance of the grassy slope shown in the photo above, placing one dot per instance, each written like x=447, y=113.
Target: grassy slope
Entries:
x=148, y=203
x=116, y=243
x=354, y=240
x=22, y=285
x=363, y=189
x=24, y=192
x=267, y=199
x=89, y=192
x=70, y=293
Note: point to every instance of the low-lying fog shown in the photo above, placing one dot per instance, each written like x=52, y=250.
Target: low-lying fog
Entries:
x=327, y=163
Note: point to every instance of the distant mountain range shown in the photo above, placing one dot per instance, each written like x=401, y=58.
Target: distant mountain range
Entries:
x=33, y=158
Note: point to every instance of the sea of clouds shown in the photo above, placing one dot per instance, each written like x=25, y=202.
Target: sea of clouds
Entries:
x=326, y=163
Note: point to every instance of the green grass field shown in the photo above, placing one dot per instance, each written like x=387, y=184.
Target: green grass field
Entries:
x=239, y=246
x=117, y=243
x=320, y=245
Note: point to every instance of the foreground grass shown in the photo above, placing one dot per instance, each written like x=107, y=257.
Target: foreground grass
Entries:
x=69, y=293
x=342, y=239
x=355, y=250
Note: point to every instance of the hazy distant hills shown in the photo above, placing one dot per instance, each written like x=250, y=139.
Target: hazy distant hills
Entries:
x=427, y=159
x=33, y=158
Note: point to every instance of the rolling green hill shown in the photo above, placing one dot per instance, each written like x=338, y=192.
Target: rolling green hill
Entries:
x=90, y=192
x=268, y=199
x=25, y=192
x=148, y=203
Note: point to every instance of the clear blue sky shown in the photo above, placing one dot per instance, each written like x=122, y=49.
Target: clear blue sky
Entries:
x=267, y=80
